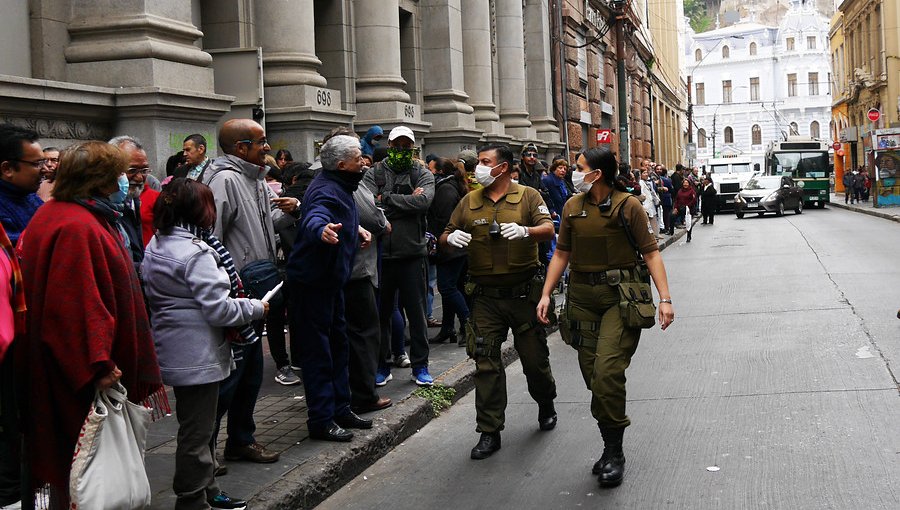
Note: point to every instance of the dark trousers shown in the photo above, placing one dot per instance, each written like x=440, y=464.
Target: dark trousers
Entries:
x=709, y=215
x=398, y=330
x=10, y=486
x=275, y=323
x=364, y=335
x=317, y=315
x=450, y=279
x=238, y=394
x=194, y=482
x=406, y=277
x=667, y=219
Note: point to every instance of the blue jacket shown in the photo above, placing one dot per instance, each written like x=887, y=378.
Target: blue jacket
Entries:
x=666, y=198
x=314, y=262
x=17, y=206
x=366, y=145
x=558, y=192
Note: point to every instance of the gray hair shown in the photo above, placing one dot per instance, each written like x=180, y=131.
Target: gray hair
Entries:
x=338, y=148
x=119, y=141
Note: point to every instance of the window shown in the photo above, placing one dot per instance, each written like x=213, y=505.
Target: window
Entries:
x=698, y=55
x=754, y=89
x=582, y=56
x=814, y=84
x=729, y=135
x=814, y=129
x=789, y=44
x=726, y=52
x=756, y=135
x=701, y=94
x=792, y=85
x=811, y=42
x=753, y=48
x=701, y=138
x=795, y=129
x=726, y=91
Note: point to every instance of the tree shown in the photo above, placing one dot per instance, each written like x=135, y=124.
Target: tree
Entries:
x=696, y=11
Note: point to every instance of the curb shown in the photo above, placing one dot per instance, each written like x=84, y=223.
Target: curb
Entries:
x=323, y=473
x=877, y=214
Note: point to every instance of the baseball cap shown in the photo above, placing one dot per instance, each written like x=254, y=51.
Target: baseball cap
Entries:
x=399, y=131
x=468, y=157
x=529, y=148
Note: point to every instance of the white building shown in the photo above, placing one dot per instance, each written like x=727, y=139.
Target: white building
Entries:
x=752, y=84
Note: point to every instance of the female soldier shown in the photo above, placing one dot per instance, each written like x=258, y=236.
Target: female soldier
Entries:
x=593, y=238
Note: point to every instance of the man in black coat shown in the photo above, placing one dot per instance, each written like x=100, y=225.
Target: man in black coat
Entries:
x=708, y=201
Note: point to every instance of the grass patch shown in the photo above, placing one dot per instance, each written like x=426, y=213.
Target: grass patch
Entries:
x=440, y=397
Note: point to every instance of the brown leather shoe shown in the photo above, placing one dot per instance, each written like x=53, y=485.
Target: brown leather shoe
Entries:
x=378, y=405
x=253, y=452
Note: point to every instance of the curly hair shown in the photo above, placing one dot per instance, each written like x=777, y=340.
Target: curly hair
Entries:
x=87, y=169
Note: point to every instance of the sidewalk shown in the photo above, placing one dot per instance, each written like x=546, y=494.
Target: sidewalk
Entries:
x=310, y=471
x=888, y=213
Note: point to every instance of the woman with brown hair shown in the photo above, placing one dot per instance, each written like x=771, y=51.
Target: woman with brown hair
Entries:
x=87, y=325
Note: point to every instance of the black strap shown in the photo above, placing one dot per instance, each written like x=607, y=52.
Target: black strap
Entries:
x=628, y=234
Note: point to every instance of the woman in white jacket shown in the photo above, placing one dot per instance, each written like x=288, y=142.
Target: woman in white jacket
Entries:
x=192, y=287
x=651, y=201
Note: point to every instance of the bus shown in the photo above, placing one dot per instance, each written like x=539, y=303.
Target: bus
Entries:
x=806, y=161
x=728, y=175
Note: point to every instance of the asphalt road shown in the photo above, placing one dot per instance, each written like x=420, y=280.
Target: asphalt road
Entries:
x=775, y=388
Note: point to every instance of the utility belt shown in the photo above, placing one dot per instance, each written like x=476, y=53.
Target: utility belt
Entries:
x=517, y=291
x=476, y=344
x=610, y=276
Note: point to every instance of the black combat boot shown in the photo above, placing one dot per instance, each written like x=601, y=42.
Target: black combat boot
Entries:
x=610, y=469
x=449, y=336
x=546, y=416
x=487, y=445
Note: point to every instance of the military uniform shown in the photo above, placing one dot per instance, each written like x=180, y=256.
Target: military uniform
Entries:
x=601, y=257
x=506, y=287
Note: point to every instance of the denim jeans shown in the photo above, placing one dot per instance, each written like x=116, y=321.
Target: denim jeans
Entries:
x=450, y=276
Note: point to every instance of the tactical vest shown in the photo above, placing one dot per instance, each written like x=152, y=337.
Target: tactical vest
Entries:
x=598, y=237
x=497, y=255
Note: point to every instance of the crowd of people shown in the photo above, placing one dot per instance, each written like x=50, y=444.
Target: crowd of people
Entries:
x=109, y=275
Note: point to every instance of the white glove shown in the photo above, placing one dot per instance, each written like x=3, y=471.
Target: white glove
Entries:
x=459, y=239
x=513, y=231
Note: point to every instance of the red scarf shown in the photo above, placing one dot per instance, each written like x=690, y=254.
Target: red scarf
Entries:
x=18, y=290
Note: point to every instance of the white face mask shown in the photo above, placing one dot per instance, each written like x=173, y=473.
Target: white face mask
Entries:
x=483, y=174
x=578, y=181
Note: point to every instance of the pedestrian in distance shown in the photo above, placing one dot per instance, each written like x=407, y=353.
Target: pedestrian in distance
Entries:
x=685, y=201
x=847, y=181
x=593, y=323
x=192, y=290
x=500, y=227
x=666, y=191
x=708, y=201
x=319, y=267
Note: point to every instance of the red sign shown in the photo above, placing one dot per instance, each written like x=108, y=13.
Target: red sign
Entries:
x=836, y=145
x=874, y=115
x=604, y=136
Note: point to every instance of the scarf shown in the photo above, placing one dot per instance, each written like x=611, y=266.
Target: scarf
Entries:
x=18, y=289
x=240, y=335
x=112, y=213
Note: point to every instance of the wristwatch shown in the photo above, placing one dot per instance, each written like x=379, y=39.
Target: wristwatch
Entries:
x=527, y=234
x=666, y=301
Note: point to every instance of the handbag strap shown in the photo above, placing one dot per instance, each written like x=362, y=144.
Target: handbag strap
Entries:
x=628, y=234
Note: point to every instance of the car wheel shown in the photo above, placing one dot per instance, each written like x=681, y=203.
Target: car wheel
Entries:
x=739, y=215
x=780, y=211
x=799, y=209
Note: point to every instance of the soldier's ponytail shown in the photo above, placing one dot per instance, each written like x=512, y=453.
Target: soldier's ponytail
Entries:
x=601, y=158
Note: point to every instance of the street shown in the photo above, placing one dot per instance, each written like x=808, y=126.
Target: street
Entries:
x=776, y=387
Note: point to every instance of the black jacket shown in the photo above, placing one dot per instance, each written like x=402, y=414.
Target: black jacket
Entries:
x=708, y=200
x=446, y=196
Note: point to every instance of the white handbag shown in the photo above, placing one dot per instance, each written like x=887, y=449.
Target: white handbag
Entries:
x=108, y=466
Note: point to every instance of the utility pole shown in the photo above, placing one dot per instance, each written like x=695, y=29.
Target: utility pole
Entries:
x=619, y=20
x=690, y=111
x=714, y=135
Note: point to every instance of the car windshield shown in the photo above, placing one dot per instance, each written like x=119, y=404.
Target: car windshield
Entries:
x=763, y=183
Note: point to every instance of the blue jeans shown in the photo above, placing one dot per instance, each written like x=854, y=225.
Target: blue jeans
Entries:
x=238, y=394
x=450, y=283
x=432, y=281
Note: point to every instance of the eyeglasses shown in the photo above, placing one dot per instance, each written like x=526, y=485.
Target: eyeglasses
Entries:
x=261, y=142
x=135, y=171
x=53, y=160
x=36, y=164
x=530, y=154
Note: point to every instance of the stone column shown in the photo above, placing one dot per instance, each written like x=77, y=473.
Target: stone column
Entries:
x=453, y=121
x=539, y=77
x=511, y=68
x=380, y=98
x=477, y=68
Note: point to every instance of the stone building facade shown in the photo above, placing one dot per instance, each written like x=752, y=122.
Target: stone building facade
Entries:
x=458, y=72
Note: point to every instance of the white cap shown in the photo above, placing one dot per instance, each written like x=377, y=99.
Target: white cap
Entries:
x=399, y=131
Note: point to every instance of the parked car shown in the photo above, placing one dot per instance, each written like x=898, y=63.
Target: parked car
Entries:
x=769, y=193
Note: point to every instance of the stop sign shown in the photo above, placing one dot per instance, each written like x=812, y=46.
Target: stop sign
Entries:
x=874, y=115
x=836, y=145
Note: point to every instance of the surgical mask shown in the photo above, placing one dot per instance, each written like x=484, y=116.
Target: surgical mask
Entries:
x=118, y=197
x=578, y=181
x=515, y=181
x=399, y=159
x=483, y=174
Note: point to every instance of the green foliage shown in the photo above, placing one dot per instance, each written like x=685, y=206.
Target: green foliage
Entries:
x=440, y=397
x=695, y=10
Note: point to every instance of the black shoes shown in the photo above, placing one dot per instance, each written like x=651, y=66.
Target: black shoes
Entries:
x=610, y=469
x=352, y=421
x=442, y=337
x=487, y=445
x=546, y=416
x=689, y=236
x=332, y=432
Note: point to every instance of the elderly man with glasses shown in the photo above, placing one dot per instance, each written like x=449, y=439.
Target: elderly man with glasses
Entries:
x=138, y=219
x=21, y=162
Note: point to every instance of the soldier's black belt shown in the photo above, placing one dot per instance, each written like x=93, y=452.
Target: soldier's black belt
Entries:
x=518, y=291
x=612, y=277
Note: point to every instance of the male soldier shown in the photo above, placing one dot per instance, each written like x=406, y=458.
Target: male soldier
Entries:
x=501, y=225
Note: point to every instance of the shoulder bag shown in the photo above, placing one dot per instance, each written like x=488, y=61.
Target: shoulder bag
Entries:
x=636, y=297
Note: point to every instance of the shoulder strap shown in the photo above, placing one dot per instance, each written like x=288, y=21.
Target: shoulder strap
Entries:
x=627, y=228
x=203, y=171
